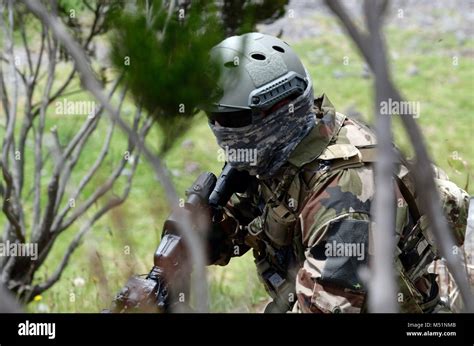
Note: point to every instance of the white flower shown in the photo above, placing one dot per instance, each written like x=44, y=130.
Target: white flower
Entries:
x=79, y=282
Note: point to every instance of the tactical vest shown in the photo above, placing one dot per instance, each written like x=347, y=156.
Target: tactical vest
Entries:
x=276, y=238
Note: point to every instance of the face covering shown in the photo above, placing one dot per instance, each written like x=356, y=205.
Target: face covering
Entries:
x=262, y=147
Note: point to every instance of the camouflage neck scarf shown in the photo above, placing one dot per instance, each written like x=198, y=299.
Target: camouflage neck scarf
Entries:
x=262, y=147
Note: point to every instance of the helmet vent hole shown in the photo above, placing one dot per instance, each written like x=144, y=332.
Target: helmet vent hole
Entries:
x=230, y=64
x=278, y=49
x=258, y=56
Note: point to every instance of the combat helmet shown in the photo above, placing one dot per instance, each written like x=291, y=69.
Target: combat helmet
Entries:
x=258, y=74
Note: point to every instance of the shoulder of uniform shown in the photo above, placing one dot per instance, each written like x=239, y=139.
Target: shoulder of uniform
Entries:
x=356, y=132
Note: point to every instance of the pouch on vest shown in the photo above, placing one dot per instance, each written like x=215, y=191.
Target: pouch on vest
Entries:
x=279, y=224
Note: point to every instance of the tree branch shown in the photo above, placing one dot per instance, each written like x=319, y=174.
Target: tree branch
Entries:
x=11, y=203
x=422, y=171
x=194, y=243
x=88, y=176
x=111, y=203
x=8, y=304
x=52, y=51
x=383, y=284
x=103, y=189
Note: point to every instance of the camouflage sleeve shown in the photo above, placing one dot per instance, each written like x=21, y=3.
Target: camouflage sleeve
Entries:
x=335, y=226
x=455, y=201
x=455, y=204
x=328, y=282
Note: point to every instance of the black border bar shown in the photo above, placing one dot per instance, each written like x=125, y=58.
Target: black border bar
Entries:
x=228, y=329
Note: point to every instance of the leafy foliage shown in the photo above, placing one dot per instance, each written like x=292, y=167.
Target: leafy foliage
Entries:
x=164, y=55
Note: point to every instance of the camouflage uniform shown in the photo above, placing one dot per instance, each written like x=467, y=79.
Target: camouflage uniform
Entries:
x=321, y=199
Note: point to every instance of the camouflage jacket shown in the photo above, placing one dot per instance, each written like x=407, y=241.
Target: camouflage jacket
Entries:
x=309, y=226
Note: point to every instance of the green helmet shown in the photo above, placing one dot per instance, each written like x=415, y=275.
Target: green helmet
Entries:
x=258, y=72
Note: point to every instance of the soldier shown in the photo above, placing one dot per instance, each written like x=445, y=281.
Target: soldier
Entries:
x=306, y=211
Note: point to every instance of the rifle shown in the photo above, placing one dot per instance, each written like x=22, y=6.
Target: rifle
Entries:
x=168, y=281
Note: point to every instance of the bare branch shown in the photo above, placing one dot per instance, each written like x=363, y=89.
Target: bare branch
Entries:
x=422, y=171
x=28, y=117
x=113, y=202
x=40, y=231
x=4, y=93
x=88, y=176
x=89, y=81
x=40, y=55
x=60, y=92
x=431, y=205
x=383, y=285
x=8, y=304
x=11, y=204
x=57, y=149
x=88, y=5
x=31, y=115
x=102, y=190
x=17, y=70
x=360, y=39
x=25, y=43
x=52, y=51
x=8, y=205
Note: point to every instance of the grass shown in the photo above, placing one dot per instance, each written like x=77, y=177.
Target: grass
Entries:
x=124, y=241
